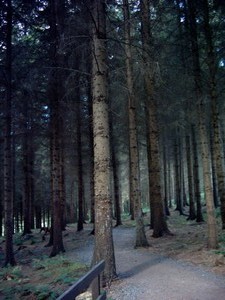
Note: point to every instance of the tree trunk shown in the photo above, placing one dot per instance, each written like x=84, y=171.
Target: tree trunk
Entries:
x=197, y=191
x=115, y=179
x=159, y=222
x=90, y=127
x=135, y=194
x=217, y=141
x=177, y=160
x=103, y=248
x=211, y=219
x=8, y=197
x=62, y=177
x=192, y=214
x=26, y=170
x=55, y=96
x=80, y=221
x=165, y=177
x=214, y=177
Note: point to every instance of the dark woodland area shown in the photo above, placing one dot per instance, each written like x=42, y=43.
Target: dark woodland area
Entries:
x=110, y=111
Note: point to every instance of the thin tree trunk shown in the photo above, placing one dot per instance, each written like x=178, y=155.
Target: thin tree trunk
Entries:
x=103, y=247
x=26, y=171
x=8, y=197
x=192, y=213
x=165, y=177
x=179, y=203
x=196, y=177
x=217, y=141
x=159, y=221
x=214, y=177
x=211, y=219
x=115, y=179
x=80, y=222
x=55, y=96
x=90, y=111
x=135, y=194
x=62, y=177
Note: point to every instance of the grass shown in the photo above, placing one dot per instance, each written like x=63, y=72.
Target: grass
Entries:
x=46, y=278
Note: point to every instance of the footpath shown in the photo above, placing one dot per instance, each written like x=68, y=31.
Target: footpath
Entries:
x=143, y=275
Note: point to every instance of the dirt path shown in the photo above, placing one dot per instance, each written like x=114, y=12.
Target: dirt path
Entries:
x=144, y=275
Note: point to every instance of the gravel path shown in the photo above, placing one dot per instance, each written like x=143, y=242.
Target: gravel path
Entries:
x=146, y=276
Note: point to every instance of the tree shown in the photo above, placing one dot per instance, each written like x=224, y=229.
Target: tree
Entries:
x=177, y=173
x=103, y=248
x=196, y=177
x=55, y=96
x=80, y=167
x=141, y=240
x=217, y=141
x=192, y=214
x=28, y=194
x=159, y=222
x=211, y=220
x=8, y=196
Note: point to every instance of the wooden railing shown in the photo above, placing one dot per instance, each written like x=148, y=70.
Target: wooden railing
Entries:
x=91, y=278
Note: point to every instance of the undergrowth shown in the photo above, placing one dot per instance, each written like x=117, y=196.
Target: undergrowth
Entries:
x=46, y=279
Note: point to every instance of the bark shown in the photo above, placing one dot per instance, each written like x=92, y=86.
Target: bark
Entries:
x=62, y=176
x=217, y=141
x=165, y=163
x=8, y=197
x=115, y=184
x=192, y=213
x=214, y=177
x=196, y=177
x=159, y=222
x=103, y=247
x=179, y=203
x=27, y=188
x=135, y=194
x=55, y=96
x=90, y=110
x=170, y=192
x=204, y=145
x=80, y=222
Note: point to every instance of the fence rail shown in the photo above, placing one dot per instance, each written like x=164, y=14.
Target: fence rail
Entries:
x=90, y=278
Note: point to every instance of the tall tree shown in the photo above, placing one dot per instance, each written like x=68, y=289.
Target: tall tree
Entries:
x=8, y=196
x=27, y=168
x=177, y=173
x=135, y=195
x=196, y=177
x=204, y=145
x=159, y=222
x=217, y=140
x=80, y=221
x=103, y=248
x=57, y=11
x=192, y=214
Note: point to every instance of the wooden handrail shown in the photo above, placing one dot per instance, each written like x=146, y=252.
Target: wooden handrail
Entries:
x=92, y=276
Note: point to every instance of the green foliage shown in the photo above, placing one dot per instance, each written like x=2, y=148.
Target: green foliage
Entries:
x=65, y=279
x=50, y=276
x=42, y=292
x=218, y=213
x=11, y=273
x=222, y=238
x=18, y=240
x=38, y=291
x=221, y=250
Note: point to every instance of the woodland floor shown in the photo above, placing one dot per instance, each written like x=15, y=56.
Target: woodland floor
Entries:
x=38, y=277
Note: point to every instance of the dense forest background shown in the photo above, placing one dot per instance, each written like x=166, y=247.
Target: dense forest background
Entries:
x=161, y=65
